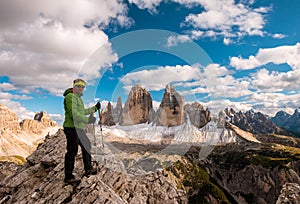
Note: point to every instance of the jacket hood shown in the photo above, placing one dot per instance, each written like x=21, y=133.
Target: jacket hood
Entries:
x=69, y=90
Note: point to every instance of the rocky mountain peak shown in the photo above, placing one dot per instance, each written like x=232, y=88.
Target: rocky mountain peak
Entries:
x=197, y=115
x=287, y=121
x=293, y=123
x=36, y=125
x=138, y=107
x=107, y=115
x=171, y=109
x=281, y=118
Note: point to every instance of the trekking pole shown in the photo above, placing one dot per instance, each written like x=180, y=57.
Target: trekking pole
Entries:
x=100, y=123
x=95, y=141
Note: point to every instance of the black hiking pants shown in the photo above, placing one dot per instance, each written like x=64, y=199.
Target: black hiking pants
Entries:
x=77, y=137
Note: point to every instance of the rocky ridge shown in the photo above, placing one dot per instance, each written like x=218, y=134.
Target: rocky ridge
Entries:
x=19, y=139
x=254, y=122
x=292, y=122
x=288, y=122
x=40, y=180
x=281, y=118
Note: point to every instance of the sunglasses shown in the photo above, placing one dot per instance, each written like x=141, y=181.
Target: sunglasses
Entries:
x=80, y=86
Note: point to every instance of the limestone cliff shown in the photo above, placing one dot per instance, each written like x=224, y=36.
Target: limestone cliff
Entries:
x=138, y=107
x=171, y=109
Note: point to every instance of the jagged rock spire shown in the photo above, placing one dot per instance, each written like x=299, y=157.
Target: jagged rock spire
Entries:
x=138, y=107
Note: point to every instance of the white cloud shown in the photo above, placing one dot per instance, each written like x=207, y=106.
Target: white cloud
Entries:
x=266, y=103
x=227, y=18
x=146, y=4
x=215, y=106
x=174, y=40
x=214, y=80
x=156, y=105
x=278, y=55
x=278, y=36
x=263, y=80
x=21, y=112
x=271, y=103
x=14, y=13
x=46, y=45
x=227, y=41
x=58, y=118
x=6, y=96
x=224, y=18
x=157, y=79
x=7, y=87
x=260, y=91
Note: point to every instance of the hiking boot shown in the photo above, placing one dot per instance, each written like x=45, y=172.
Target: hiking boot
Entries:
x=71, y=179
x=91, y=171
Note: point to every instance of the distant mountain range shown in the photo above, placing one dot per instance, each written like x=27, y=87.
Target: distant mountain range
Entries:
x=259, y=123
x=173, y=111
x=290, y=123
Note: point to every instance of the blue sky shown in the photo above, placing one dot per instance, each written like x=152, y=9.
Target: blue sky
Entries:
x=222, y=53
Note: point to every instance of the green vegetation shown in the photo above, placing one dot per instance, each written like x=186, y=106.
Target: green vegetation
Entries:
x=14, y=158
x=268, y=155
x=196, y=181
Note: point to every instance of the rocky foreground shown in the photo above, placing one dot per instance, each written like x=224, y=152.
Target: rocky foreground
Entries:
x=234, y=173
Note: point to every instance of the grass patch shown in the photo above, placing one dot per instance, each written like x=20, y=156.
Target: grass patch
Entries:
x=13, y=158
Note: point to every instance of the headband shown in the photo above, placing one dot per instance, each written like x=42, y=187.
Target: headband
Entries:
x=79, y=83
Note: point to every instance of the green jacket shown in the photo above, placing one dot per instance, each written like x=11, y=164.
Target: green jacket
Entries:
x=75, y=113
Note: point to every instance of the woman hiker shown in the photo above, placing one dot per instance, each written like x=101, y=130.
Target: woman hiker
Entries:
x=75, y=121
